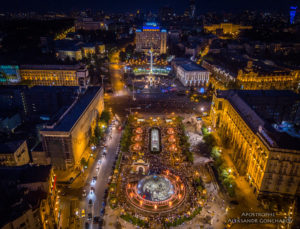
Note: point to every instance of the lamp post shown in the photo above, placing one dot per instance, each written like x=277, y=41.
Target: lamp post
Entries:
x=133, y=97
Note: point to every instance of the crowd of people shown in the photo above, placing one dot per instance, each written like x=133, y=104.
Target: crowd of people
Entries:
x=159, y=163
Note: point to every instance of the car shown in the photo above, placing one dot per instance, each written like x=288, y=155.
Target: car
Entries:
x=102, y=211
x=103, y=204
x=84, y=193
x=234, y=202
x=90, y=201
x=92, y=191
x=83, y=213
x=99, y=162
x=90, y=216
x=96, y=219
x=87, y=225
x=94, y=178
x=97, y=169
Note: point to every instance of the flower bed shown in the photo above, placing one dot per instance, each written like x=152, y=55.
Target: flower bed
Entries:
x=183, y=219
x=136, y=221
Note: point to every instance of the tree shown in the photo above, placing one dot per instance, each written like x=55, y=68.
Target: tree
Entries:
x=83, y=162
x=97, y=132
x=233, y=85
x=105, y=116
x=122, y=56
x=129, y=49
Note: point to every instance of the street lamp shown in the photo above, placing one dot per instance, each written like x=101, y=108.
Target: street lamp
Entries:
x=202, y=109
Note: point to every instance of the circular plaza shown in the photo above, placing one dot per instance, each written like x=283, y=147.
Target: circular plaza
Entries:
x=156, y=193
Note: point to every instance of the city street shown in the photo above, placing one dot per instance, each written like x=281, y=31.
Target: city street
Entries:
x=103, y=173
x=75, y=208
x=156, y=103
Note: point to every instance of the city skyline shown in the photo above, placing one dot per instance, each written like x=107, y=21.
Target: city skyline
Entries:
x=118, y=6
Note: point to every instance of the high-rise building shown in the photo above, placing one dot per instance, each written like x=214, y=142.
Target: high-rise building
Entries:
x=66, y=138
x=293, y=11
x=192, y=8
x=151, y=36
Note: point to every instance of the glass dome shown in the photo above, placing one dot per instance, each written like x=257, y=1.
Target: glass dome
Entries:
x=155, y=188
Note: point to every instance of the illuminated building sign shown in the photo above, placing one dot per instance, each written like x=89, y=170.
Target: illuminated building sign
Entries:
x=151, y=24
x=293, y=14
x=151, y=28
x=9, y=73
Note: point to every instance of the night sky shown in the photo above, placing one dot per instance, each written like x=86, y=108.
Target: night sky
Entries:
x=146, y=5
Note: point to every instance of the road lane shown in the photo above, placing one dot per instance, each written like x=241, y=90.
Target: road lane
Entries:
x=105, y=170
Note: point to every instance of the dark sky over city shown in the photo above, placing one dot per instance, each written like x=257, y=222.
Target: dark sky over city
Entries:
x=146, y=5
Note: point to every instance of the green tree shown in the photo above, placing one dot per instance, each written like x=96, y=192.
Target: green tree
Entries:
x=97, y=132
x=122, y=56
x=105, y=116
x=83, y=162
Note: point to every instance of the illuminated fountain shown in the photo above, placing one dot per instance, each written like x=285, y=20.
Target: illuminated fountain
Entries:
x=156, y=193
x=155, y=144
x=155, y=188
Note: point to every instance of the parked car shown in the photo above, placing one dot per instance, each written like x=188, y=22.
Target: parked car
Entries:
x=96, y=219
x=90, y=216
x=84, y=193
x=92, y=191
x=82, y=213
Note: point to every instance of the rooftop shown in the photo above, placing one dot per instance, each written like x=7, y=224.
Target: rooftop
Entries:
x=244, y=102
x=192, y=67
x=52, y=67
x=67, y=121
x=10, y=147
x=25, y=174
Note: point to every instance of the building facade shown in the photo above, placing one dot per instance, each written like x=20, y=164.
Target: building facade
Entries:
x=279, y=80
x=71, y=53
x=9, y=74
x=66, y=140
x=89, y=24
x=151, y=36
x=225, y=28
x=269, y=159
x=190, y=74
x=14, y=153
x=39, y=205
x=55, y=75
